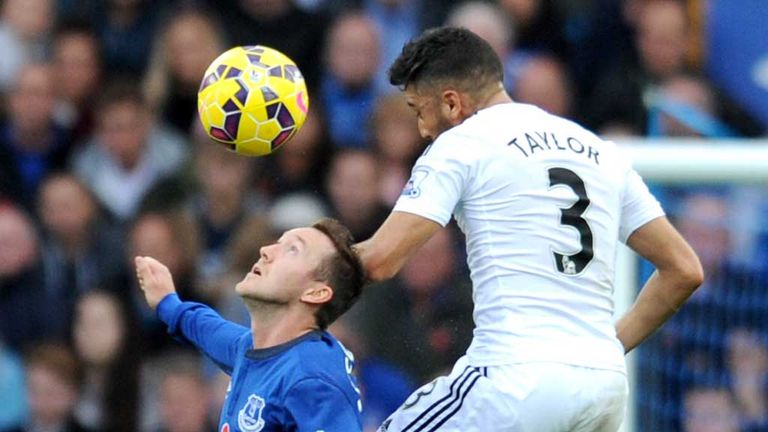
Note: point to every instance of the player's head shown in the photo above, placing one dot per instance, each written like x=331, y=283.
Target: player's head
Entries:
x=315, y=268
x=447, y=73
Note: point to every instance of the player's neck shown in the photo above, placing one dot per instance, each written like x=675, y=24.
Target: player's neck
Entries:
x=499, y=96
x=276, y=326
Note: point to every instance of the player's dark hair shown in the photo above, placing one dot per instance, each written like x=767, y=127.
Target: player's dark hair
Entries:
x=342, y=271
x=447, y=54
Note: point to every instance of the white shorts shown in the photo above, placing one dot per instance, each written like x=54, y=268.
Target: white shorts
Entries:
x=525, y=397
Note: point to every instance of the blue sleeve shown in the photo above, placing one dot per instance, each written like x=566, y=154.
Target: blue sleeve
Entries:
x=201, y=326
x=316, y=405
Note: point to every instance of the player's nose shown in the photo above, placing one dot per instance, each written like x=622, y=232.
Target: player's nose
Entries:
x=266, y=253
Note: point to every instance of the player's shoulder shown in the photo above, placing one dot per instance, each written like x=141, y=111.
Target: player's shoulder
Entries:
x=321, y=359
x=320, y=352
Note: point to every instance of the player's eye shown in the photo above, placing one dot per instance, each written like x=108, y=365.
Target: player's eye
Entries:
x=293, y=249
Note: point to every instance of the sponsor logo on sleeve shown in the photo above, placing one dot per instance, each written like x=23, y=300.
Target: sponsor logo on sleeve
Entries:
x=412, y=189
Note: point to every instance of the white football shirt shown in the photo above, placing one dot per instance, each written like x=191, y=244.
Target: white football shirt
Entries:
x=543, y=203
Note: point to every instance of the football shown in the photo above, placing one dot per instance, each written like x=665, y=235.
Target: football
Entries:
x=252, y=99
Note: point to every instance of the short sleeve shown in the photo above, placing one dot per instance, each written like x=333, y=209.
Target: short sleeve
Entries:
x=317, y=405
x=437, y=183
x=638, y=206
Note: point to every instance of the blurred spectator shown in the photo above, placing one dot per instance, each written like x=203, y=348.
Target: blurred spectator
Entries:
x=300, y=166
x=421, y=320
x=703, y=344
x=294, y=211
x=661, y=36
x=348, y=91
x=223, y=201
x=353, y=189
x=24, y=30
x=710, y=410
x=170, y=236
x=80, y=251
x=278, y=24
x=127, y=29
x=383, y=386
x=397, y=144
x=687, y=105
x=539, y=25
x=543, y=81
x=747, y=360
x=184, y=396
x=244, y=245
x=187, y=44
x=53, y=385
x=703, y=220
x=684, y=106
x=77, y=55
x=107, y=343
x=400, y=20
x=488, y=21
x=31, y=143
x=26, y=315
x=129, y=153
x=13, y=393
x=218, y=387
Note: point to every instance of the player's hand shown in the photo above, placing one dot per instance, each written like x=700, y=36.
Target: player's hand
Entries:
x=155, y=280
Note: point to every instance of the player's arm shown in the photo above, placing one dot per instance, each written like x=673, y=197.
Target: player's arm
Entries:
x=678, y=274
x=402, y=234
x=193, y=322
x=314, y=404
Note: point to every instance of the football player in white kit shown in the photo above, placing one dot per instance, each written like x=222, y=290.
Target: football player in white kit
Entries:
x=542, y=203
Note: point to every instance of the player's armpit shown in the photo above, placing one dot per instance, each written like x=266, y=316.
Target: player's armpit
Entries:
x=401, y=235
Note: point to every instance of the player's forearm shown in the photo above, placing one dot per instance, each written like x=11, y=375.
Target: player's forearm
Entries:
x=660, y=298
x=378, y=265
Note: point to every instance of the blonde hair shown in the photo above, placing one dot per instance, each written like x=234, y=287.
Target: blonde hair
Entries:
x=157, y=82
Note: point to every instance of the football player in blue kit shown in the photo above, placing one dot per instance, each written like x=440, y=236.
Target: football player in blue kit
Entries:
x=287, y=372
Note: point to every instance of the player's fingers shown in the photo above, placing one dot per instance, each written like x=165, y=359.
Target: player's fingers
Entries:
x=143, y=271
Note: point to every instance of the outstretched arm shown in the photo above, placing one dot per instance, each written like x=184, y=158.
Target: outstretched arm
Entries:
x=402, y=234
x=678, y=274
x=193, y=322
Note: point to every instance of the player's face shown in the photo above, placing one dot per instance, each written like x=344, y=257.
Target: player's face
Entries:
x=286, y=269
x=430, y=115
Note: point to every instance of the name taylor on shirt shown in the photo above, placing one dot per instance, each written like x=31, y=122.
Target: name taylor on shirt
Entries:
x=533, y=142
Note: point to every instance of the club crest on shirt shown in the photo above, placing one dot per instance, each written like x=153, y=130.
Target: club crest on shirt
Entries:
x=412, y=189
x=249, y=418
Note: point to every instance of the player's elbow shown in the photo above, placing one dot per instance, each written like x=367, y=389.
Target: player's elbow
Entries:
x=378, y=273
x=694, y=277
x=690, y=274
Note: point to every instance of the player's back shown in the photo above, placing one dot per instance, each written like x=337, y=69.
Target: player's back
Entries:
x=543, y=203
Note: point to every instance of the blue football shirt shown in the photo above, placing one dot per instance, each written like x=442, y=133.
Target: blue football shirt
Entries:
x=303, y=385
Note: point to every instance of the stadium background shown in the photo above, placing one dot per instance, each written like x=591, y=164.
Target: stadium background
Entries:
x=101, y=159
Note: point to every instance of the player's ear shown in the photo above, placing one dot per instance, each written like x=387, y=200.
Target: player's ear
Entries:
x=452, y=105
x=318, y=294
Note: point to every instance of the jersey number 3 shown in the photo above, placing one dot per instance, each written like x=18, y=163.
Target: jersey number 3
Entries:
x=571, y=216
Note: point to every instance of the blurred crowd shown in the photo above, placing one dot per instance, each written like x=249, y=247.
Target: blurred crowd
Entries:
x=102, y=158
